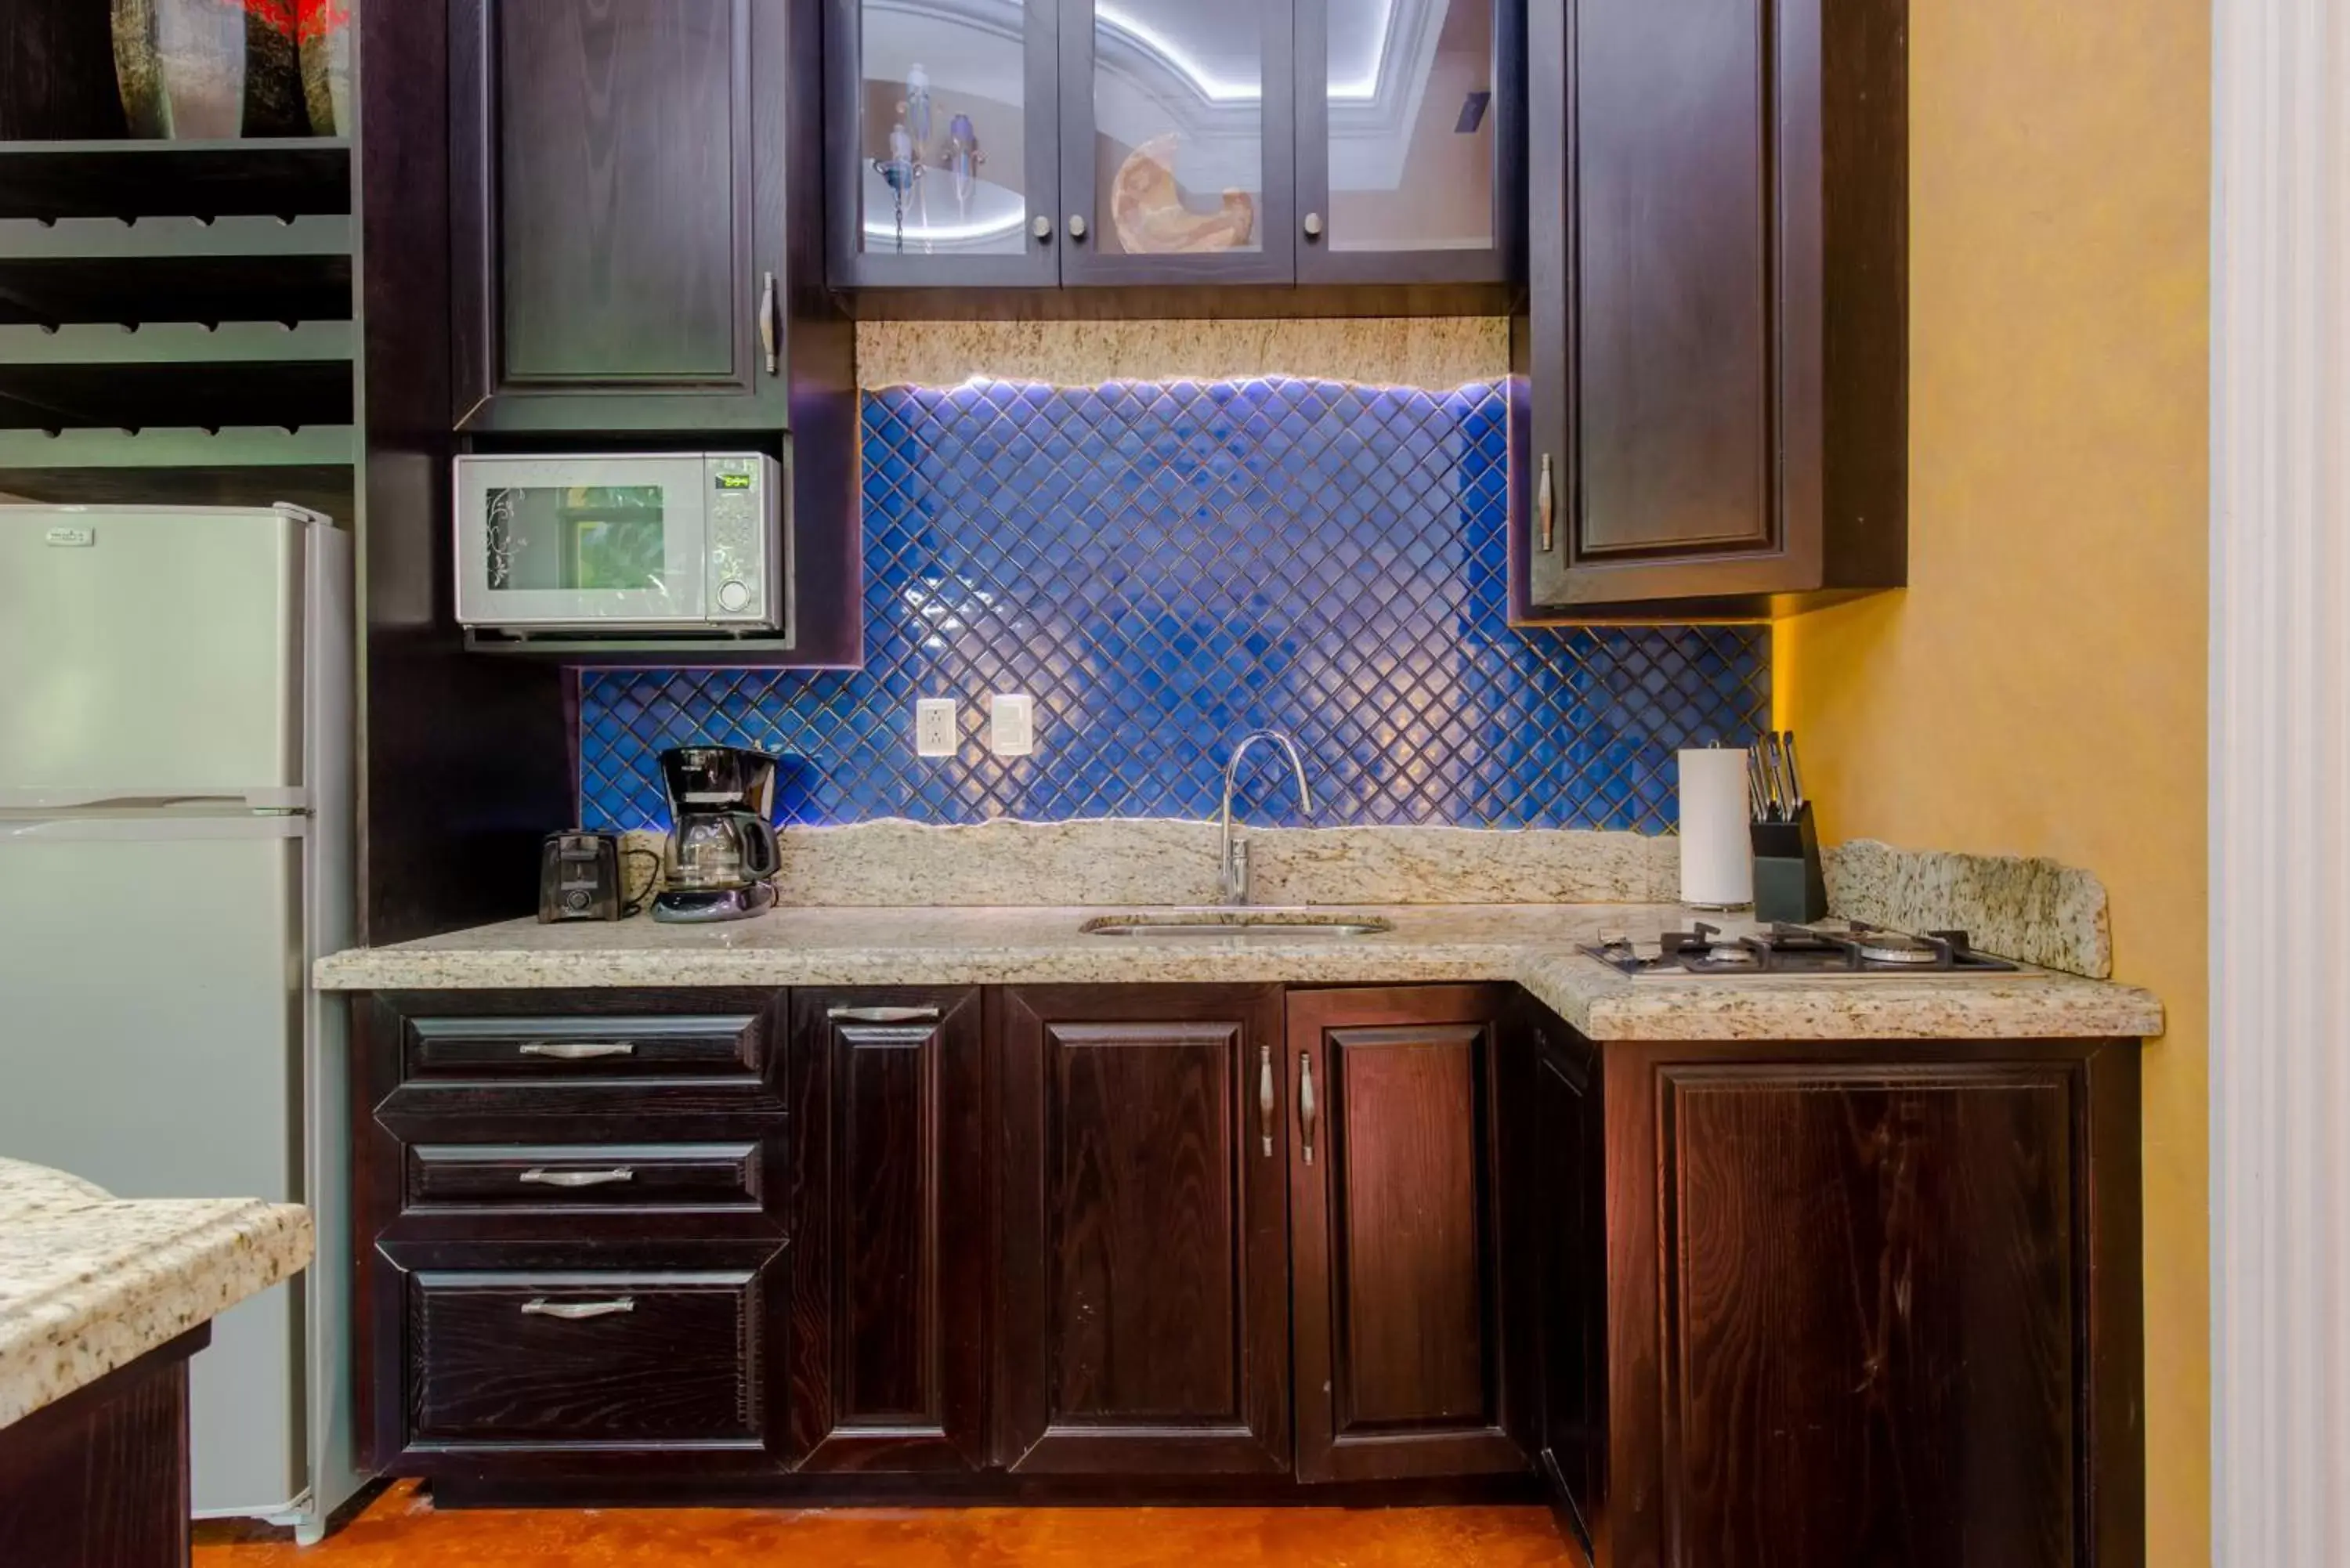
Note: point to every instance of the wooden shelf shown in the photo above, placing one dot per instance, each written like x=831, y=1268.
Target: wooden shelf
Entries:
x=230, y=467
x=273, y=177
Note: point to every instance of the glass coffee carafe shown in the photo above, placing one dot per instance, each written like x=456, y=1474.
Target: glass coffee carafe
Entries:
x=723, y=851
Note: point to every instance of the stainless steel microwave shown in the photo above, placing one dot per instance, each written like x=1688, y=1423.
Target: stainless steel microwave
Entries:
x=639, y=542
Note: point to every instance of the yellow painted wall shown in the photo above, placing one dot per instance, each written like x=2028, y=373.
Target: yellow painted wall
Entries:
x=2039, y=688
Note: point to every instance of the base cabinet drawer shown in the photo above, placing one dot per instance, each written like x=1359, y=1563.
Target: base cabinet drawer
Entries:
x=582, y=1176
x=603, y=1360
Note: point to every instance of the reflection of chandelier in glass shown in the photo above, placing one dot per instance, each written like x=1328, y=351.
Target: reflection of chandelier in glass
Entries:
x=911, y=158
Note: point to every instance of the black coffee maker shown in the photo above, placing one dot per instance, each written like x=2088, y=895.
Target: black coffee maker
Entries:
x=722, y=852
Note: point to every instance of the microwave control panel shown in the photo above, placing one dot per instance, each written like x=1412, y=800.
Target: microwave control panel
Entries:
x=737, y=499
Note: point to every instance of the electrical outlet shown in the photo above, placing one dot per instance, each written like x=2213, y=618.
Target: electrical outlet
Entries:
x=934, y=727
x=1011, y=725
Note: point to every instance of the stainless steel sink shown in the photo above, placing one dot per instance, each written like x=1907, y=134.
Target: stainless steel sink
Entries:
x=1266, y=925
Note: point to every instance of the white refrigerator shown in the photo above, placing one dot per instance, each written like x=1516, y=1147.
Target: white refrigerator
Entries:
x=175, y=849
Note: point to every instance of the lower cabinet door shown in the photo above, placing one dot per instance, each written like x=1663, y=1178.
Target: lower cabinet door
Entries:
x=602, y=1361
x=1145, y=1290
x=1395, y=1209
x=889, y=1228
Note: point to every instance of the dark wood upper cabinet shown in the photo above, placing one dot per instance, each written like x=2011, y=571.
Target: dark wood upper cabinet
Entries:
x=1143, y=1300
x=622, y=206
x=889, y=1227
x=1394, y=1214
x=1113, y=159
x=1716, y=334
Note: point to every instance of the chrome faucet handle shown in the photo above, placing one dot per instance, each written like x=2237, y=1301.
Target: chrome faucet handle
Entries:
x=1236, y=873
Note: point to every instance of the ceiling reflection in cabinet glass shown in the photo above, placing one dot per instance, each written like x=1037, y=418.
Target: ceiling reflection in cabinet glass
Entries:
x=944, y=138
x=1410, y=124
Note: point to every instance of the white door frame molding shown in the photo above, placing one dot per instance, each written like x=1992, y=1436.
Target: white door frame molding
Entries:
x=2279, y=761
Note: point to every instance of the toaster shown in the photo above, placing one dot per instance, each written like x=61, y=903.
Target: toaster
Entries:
x=579, y=878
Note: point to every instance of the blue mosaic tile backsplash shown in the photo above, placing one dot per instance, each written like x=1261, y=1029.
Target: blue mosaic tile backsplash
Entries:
x=1165, y=567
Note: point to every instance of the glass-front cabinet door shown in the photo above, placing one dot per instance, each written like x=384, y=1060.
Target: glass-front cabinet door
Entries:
x=1178, y=142
x=941, y=143
x=1407, y=115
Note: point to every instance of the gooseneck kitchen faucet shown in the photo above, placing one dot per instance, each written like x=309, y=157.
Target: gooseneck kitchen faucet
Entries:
x=1236, y=860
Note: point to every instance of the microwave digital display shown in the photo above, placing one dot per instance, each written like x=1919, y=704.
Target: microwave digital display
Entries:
x=733, y=481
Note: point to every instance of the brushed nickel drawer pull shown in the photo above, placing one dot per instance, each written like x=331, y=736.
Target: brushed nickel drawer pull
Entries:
x=572, y=1312
x=578, y=1178
x=1546, y=508
x=882, y=1014
x=1305, y=1103
x=580, y=1050
x=768, y=327
x=1265, y=1096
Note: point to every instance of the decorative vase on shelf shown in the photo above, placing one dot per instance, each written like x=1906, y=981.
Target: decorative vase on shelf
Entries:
x=209, y=69
x=326, y=66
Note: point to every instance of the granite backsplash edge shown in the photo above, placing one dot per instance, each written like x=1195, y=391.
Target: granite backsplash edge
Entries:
x=2033, y=910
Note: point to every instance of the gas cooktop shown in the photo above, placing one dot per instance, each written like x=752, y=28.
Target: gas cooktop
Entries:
x=1830, y=948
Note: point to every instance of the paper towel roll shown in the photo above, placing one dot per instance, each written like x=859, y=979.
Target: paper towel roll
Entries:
x=1717, y=855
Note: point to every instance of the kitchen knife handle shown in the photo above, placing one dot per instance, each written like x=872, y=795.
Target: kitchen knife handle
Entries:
x=882, y=1014
x=578, y=1050
x=539, y=1177
x=572, y=1312
x=1794, y=774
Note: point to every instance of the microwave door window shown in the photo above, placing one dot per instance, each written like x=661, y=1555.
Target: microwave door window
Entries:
x=585, y=540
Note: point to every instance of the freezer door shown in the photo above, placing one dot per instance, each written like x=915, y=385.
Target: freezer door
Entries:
x=149, y=652
x=150, y=1041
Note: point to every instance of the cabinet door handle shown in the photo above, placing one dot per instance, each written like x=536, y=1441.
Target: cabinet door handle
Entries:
x=882, y=1014
x=1042, y=227
x=539, y=1177
x=1313, y=226
x=1547, y=507
x=1076, y=226
x=1305, y=1102
x=770, y=329
x=574, y=1311
x=578, y=1050
x=1265, y=1096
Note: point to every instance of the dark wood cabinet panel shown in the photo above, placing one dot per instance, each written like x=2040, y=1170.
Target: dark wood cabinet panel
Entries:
x=1395, y=1234
x=1863, y=1311
x=593, y=1358
x=1716, y=334
x=1562, y=1177
x=1144, y=1288
x=624, y=153
x=622, y=206
x=100, y=1479
x=890, y=1220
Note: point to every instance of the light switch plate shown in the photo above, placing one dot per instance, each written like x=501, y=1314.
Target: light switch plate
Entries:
x=934, y=727
x=1011, y=725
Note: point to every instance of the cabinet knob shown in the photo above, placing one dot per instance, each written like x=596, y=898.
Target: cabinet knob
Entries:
x=1077, y=226
x=1042, y=227
x=1313, y=226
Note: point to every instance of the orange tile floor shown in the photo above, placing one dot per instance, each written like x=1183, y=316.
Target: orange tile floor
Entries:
x=402, y=1528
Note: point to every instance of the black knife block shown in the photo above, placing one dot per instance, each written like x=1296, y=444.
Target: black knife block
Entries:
x=1788, y=882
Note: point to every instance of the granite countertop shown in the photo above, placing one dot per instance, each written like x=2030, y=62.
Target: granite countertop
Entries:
x=1533, y=945
x=90, y=1283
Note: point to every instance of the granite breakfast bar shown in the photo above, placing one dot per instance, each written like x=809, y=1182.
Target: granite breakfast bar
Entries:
x=102, y=1302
